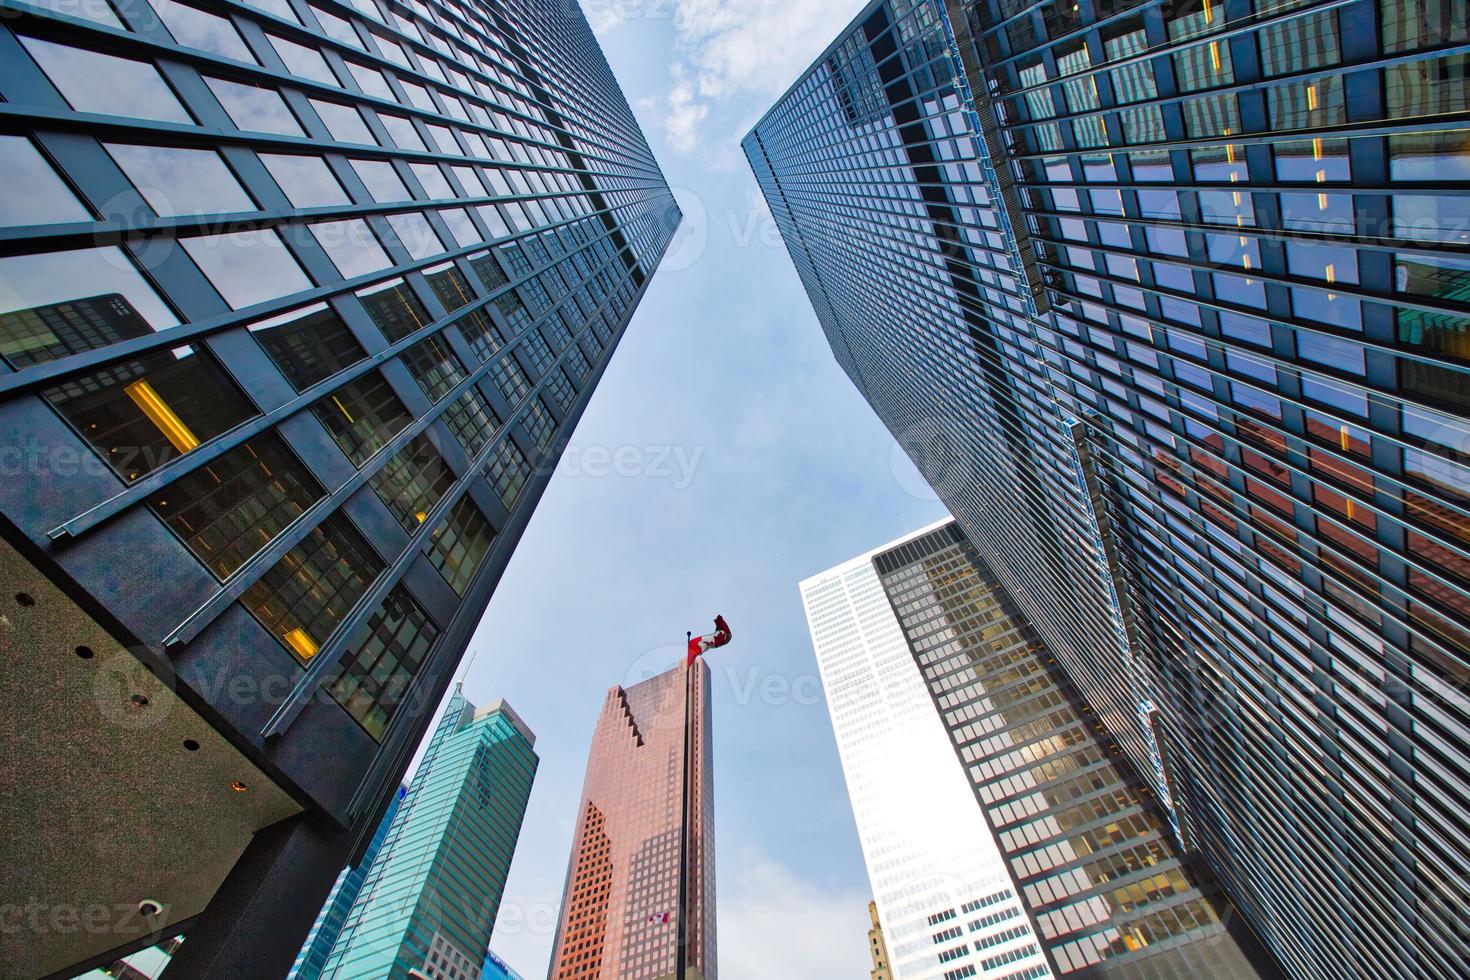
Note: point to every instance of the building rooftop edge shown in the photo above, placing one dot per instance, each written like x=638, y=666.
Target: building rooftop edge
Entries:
x=869, y=555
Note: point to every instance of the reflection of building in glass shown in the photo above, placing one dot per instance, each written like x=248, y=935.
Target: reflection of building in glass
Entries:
x=1168, y=303
x=298, y=305
x=621, y=915
x=333, y=916
x=496, y=969
x=430, y=899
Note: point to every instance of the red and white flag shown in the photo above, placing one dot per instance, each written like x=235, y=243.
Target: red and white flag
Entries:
x=699, y=644
x=660, y=917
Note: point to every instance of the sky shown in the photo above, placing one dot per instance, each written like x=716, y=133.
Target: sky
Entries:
x=723, y=458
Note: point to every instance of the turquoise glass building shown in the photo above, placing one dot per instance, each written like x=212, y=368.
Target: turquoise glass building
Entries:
x=429, y=900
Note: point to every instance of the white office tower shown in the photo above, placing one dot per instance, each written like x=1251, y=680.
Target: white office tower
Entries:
x=937, y=874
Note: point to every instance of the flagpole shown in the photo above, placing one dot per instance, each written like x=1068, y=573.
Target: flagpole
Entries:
x=682, y=957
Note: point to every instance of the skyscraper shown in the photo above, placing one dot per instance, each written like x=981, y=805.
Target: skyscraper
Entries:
x=1166, y=303
x=430, y=899
x=932, y=861
x=302, y=300
x=333, y=916
x=877, y=946
x=622, y=916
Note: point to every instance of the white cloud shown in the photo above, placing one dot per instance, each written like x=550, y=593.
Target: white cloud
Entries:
x=732, y=50
x=774, y=927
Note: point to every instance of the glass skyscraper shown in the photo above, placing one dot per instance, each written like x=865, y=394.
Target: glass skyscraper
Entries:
x=299, y=302
x=641, y=877
x=1165, y=300
x=332, y=917
x=430, y=899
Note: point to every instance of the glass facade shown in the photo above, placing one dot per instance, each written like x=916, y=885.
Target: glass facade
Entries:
x=429, y=900
x=298, y=307
x=620, y=914
x=1161, y=299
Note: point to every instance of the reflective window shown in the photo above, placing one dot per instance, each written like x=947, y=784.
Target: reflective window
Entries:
x=255, y=109
x=303, y=598
x=412, y=481
x=362, y=416
x=381, y=180
x=308, y=345
x=247, y=267
x=302, y=60
x=337, y=28
x=352, y=246
x=307, y=181
x=344, y=123
x=279, y=8
x=433, y=180
x=434, y=366
x=395, y=309
x=142, y=413
x=405, y=137
x=472, y=422
x=104, y=83
x=460, y=225
x=459, y=545
x=371, y=81
x=176, y=181
x=228, y=511
x=1344, y=355
x=97, y=11
x=508, y=472
x=193, y=28
x=47, y=198
x=60, y=303
x=382, y=661
x=417, y=236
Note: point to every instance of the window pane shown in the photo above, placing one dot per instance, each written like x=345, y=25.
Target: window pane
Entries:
x=93, y=82
x=417, y=236
x=303, y=598
x=432, y=179
x=371, y=81
x=97, y=11
x=308, y=345
x=460, y=544
x=46, y=200
x=228, y=511
x=402, y=131
x=460, y=226
x=383, y=660
x=255, y=109
x=43, y=317
x=434, y=366
x=508, y=472
x=306, y=181
x=450, y=286
x=412, y=481
x=303, y=61
x=140, y=414
x=381, y=181
x=343, y=122
x=247, y=267
x=194, y=28
x=352, y=247
x=362, y=416
x=177, y=181
x=395, y=309
x=280, y=8
x=337, y=28
x=472, y=421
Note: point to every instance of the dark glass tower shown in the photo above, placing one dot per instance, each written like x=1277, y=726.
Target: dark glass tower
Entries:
x=1167, y=303
x=299, y=302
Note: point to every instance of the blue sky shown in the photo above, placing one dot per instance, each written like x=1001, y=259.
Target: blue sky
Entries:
x=723, y=458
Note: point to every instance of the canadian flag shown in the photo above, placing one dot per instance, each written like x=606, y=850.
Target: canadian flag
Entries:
x=660, y=917
x=699, y=644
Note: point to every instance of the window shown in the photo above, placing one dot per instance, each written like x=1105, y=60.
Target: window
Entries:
x=460, y=226
x=472, y=421
x=362, y=416
x=432, y=179
x=459, y=545
x=381, y=181
x=247, y=267
x=402, y=131
x=255, y=109
x=480, y=332
x=303, y=61
x=305, y=595
x=193, y=28
x=450, y=286
x=539, y=423
x=344, y=123
x=395, y=309
x=47, y=198
x=307, y=181
x=434, y=366
x=93, y=82
x=352, y=247
x=228, y=511
x=508, y=472
x=98, y=11
x=308, y=345
x=412, y=481
x=1300, y=43
x=142, y=413
x=383, y=660
x=416, y=235
x=42, y=317
x=176, y=181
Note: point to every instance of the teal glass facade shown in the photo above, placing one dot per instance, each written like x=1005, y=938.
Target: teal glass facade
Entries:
x=1166, y=300
x=430, y=900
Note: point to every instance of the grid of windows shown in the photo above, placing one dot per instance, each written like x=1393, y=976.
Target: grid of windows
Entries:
x=412, y=481
x=1172, y=325
x=459, y=545
x=383, y=660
